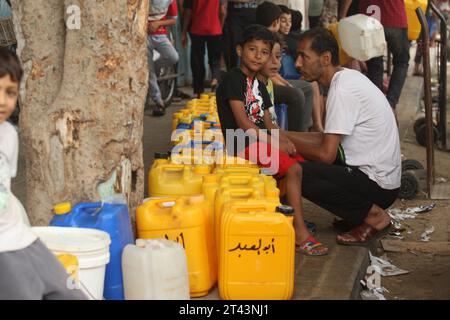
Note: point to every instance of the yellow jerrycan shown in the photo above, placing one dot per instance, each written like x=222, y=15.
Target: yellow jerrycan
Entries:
x=226, y=196
x=414, y=26
x=256, y=253
x=188, y=221
x=168, y=179
x=344, y=58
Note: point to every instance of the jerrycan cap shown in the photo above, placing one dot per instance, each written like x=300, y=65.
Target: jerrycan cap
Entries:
x=201, y=169
x=62, y=208
x=162, y=155
x=286, y=210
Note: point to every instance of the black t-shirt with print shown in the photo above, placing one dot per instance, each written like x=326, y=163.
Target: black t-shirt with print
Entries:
x=237, y=86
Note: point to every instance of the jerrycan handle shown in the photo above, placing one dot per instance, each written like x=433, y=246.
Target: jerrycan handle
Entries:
x=173, y=167
x=251, y=208
x=85, y=206
x=242, y=192
x=237, y=179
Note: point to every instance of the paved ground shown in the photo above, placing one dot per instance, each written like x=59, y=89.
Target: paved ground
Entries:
x=337, y=275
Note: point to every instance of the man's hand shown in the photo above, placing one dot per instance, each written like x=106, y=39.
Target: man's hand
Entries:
x=153, y=26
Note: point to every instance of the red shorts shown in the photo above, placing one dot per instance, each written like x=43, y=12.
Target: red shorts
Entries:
x=270, y=157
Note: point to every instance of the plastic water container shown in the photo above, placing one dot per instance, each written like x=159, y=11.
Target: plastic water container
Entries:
x=155, y=270
x=188, y=221
x=414, y=26
x=343, y=56
x=167, y=179
x=362, y=37
x=112, y=218
x=256, y=253
x=229, y=196
x=91, y=247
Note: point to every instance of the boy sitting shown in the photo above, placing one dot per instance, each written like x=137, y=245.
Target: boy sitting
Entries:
x=243, y=105
x=28, y=270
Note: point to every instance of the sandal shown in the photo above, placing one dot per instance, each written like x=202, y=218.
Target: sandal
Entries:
x=362, y=235
x=311, y=247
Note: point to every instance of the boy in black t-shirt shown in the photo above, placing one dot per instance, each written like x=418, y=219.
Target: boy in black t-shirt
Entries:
x=243, y=105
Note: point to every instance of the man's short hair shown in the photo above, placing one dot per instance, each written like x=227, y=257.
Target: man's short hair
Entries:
x=256, y=32
x=322, y=41
x=10, y=65
x=267, y=13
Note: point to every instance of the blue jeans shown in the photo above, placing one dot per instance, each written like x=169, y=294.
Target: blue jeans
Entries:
x=397, y=40
x=169, y=56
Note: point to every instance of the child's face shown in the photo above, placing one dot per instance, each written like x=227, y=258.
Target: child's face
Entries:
x=254, y=55
x=285, y=23
x=272, y=66
x=9, y=93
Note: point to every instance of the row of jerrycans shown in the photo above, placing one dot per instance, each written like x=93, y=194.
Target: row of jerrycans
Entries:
x=230, y=192
x=255, y=254
x=167, y=178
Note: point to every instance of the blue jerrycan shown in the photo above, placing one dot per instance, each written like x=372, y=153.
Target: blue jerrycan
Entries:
x=112, y=218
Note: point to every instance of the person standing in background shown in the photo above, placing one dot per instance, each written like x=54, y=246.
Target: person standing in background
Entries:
x=240, y=14
x=314, y=12
x=204, y=20
x=163, y=13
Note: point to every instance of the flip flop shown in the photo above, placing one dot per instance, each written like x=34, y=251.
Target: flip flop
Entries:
x=309, y=247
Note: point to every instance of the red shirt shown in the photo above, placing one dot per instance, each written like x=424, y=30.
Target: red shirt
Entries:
x=205, y=17
x=392, y=12
x=171, y=13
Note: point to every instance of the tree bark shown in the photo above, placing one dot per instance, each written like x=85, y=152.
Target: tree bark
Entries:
x=82, y=100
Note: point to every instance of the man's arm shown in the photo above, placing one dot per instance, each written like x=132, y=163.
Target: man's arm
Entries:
x=316, y=146
x=344, y=8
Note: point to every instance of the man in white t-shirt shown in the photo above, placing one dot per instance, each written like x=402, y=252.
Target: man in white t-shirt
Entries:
x=355, y=165
x=28, y=270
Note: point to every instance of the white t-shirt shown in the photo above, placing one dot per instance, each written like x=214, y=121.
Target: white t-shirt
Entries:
x=359, y=111
x=14, y=233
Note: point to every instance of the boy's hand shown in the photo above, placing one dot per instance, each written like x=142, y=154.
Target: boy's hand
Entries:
x=287, y=146
x=153, y=26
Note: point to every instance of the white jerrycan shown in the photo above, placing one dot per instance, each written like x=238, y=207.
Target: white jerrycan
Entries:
x=155, y=270
x=362, y=37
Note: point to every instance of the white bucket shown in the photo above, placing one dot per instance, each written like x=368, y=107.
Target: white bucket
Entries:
x=90, y=246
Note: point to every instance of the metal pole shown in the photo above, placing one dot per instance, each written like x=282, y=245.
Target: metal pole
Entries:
x=442, y=123
x=428, y=106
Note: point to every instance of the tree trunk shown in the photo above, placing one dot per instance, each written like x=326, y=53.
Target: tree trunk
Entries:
x=82, y=100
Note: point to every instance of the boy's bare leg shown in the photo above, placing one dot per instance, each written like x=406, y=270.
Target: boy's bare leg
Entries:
x=293, y=195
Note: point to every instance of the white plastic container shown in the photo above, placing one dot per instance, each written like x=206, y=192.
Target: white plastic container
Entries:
x=155, y=270
x=90, y=246
x=362, y=37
